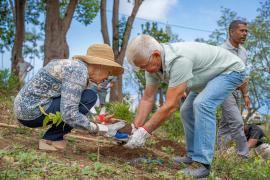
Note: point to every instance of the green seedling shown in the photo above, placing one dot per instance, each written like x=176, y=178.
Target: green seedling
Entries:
x=92, y=156
x=54, y=118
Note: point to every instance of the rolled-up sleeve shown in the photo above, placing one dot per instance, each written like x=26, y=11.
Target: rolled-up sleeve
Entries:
x=74, y=83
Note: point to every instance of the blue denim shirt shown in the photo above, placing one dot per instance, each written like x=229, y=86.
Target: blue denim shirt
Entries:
x=65, y=78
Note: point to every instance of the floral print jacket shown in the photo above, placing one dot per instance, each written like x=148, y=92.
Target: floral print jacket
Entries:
x=64, y=77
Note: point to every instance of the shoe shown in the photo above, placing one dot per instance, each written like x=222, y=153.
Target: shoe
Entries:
x=49, y=145
x=185, y=159
x=196, y=170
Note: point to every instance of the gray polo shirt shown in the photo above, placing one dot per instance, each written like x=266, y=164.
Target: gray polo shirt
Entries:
x=196, y=63
x=240, y=51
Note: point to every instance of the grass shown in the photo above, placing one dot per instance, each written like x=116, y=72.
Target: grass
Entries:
x=21, y=160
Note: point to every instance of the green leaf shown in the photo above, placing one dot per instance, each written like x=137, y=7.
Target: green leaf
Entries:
x=42, y=110
x=86, y=170
x=46, y=121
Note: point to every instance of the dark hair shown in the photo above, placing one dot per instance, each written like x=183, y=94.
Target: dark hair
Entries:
x=235, y=23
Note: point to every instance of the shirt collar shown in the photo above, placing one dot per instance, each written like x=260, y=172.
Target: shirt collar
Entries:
x=230, y=46
x=162, y=58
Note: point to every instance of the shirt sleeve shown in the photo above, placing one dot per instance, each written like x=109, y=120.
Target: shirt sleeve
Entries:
x=74, y=83
x=181, y=71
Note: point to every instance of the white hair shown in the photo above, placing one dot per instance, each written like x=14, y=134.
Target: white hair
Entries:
x=142, y=47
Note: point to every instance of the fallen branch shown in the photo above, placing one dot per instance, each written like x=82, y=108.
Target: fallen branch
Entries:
x=68, y=135
x=9, y=125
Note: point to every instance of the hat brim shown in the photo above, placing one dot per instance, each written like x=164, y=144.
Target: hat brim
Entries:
x=116, y=69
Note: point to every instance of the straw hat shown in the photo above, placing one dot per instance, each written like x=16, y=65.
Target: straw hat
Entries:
x=101, y=54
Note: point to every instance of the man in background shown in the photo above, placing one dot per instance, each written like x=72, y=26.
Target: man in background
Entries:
x=231, y=125
x=255, y=135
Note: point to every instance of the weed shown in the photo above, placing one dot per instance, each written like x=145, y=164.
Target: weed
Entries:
x=150, y=142
x=92, y=156
x=167, y=150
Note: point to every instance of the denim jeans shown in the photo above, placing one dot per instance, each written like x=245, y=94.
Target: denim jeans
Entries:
x=56, y=133
x=198, y=115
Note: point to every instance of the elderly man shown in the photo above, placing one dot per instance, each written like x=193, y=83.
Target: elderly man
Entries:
x=210, y=73
x=231, y=125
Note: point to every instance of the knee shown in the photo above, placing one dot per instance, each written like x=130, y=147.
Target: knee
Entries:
x=203, y=106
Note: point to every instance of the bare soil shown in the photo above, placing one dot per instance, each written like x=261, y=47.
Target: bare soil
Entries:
x=79, y=150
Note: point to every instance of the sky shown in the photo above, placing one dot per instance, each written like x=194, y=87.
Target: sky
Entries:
x=182, y=15
x=198, y=14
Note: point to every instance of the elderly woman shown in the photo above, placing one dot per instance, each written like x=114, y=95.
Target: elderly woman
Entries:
x=62, y=86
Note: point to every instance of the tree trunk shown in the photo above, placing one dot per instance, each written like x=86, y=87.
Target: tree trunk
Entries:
x=115, y=28
x=116, y=91
x=17, y=56
x=56, y=28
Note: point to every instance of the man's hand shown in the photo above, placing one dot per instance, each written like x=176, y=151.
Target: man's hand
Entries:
x=137, y=139
x=247, y=102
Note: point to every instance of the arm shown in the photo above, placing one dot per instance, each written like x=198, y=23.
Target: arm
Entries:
x=73, y=84
x=244, y=90
x=171, y=104
x=145, y=105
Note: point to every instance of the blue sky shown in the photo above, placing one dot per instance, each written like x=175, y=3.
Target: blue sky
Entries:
x=200, y=14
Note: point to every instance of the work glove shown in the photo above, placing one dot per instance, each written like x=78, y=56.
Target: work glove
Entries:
x=137, y=139
x=133, y=128
x=111, y=129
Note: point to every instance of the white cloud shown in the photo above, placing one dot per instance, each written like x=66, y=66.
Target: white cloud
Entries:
x=150, y=9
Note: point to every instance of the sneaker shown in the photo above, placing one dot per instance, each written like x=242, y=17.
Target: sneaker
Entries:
x=185, y=159
x=49, y=145
x=196, y=170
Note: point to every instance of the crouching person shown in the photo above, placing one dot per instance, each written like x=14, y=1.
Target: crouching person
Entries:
x=62, y=86
x=255, y=135
x=210, y=73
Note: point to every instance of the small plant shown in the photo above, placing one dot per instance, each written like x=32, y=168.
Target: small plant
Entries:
x=54, y=118
x=92, y=156
x=120, y=111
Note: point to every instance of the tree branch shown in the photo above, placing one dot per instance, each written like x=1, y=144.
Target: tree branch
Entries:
x=128, y=30
x=115, y=26
x=69, y=14
x=13, y=11
x=103, y=19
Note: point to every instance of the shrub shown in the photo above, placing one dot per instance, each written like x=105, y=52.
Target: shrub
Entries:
x=120, y=110
x=173, y=127
x=9, y=83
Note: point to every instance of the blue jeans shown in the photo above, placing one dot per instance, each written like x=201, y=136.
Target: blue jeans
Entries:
x=198, y=115
x=56, y=133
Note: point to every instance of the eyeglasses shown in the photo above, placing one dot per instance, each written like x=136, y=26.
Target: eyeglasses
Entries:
x=143, y=67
